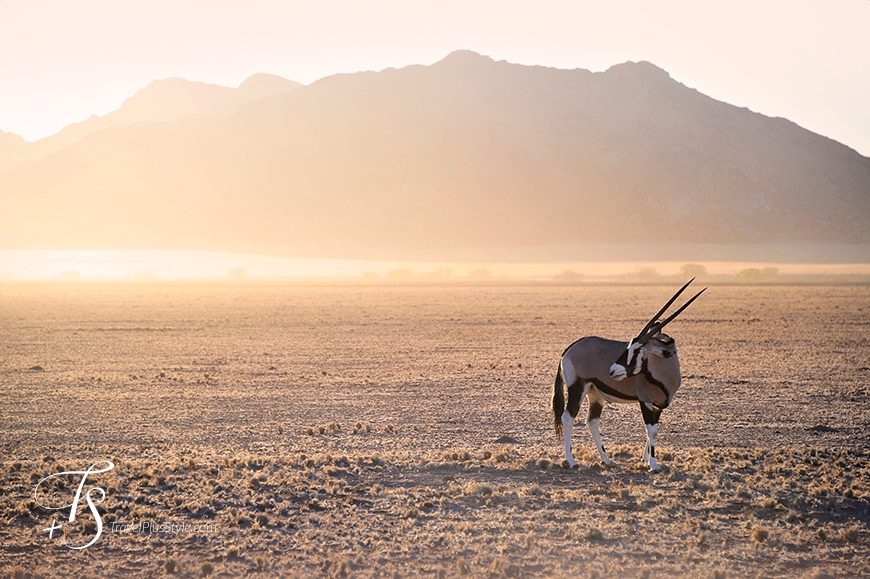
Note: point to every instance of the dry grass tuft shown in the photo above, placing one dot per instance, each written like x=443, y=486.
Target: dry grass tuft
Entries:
x=361, y=427
x=171, y=566
x=760, y=534
x=457, y=455
x=533, y=491
x=850, y=534
x=206, y=569
x=503, y=455
x=593, y=534
x=504, y=568
x=262, y=520
x=462, y=566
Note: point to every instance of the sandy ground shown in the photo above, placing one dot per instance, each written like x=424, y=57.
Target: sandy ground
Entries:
x=295, y=431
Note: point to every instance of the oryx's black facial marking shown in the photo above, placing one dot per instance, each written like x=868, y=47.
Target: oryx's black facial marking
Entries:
x=628, y=363
x=623, y=359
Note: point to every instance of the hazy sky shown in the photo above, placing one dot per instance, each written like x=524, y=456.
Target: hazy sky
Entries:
x=63, y=60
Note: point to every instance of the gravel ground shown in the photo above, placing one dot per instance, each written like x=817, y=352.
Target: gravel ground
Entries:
x=380, y=431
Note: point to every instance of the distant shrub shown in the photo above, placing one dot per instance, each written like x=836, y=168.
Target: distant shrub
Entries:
x=569, y=276
x=642, y=275
x=440, y=274
x=755, y=275
x=400, y=274
x=690, y=270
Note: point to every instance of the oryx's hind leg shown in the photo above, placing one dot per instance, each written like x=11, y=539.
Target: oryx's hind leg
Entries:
x=596, y=405
x=651, y=416
x=576, y=392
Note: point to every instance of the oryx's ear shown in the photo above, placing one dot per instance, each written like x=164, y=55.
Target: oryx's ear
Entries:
x=660, y=350
x=662, y=346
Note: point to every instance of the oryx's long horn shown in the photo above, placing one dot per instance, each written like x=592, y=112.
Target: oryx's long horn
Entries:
x=684, y=306
x=652, y=322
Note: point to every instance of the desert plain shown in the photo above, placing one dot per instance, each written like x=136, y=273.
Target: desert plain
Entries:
x=304, y=430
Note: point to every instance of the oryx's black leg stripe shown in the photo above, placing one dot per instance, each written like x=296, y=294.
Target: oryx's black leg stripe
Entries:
x=657, y=413
x=650, y=416
x=595, y=410
x=652, y=452
x=575, y=397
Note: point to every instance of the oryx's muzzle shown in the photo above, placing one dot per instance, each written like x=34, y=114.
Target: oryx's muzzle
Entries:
x=626, y=360
x=618, y=371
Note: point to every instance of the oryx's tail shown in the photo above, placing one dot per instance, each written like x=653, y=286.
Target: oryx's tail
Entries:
x=558, y=400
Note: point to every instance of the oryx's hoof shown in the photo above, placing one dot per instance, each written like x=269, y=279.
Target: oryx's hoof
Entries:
x=570, y=465
x=655, y=470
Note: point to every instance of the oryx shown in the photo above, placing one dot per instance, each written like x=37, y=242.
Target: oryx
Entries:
x=647, y=371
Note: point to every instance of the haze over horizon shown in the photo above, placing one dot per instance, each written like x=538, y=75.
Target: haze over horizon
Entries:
x=62, y=62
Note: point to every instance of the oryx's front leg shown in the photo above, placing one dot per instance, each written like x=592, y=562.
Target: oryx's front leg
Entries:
x=651, y=416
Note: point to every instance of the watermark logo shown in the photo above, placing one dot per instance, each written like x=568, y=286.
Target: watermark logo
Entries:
x=152, y=527
x=73, y=506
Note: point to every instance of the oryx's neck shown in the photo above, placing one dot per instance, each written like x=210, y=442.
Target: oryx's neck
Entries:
x=662, y=374
x=644, y=370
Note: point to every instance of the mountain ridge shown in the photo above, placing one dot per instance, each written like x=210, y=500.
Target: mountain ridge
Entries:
x=467, y=152
x=164, y=100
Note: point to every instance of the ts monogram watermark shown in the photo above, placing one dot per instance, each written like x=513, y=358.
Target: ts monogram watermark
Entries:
x=74, y=505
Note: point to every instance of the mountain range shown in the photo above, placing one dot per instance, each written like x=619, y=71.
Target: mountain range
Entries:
x=465, y=153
